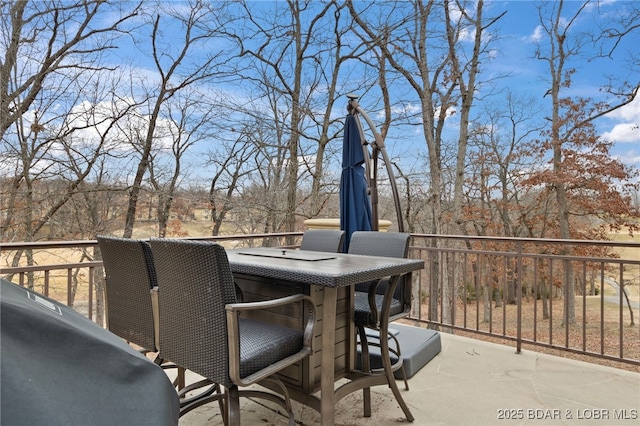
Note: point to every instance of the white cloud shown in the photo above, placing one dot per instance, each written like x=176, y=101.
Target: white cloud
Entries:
x=537, y=35
x=404, y=110
x=599, y=5
x=629, y=112
x=94, y=121
x=466, y=35
x=623, y=132
x=633, y=159
x=626, y=127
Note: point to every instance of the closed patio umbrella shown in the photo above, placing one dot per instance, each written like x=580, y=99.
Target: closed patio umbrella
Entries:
x=355, y=205
x=355, y=153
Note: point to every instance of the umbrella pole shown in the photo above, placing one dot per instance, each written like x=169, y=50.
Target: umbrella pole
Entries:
x=371, y=167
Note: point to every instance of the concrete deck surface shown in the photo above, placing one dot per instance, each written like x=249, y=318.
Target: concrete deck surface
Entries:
x=472, y=382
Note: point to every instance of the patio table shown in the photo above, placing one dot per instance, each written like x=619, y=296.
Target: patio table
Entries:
x=329, y=279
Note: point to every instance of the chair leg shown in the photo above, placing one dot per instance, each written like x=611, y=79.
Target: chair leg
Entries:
x=222, y=403
x=366, y=368
x=179, y=382
x=388, y=371
x=210, y=388
x=399, y=355
x=404, y=378
x=285, y=401
x=233, y=406
x=180, y=379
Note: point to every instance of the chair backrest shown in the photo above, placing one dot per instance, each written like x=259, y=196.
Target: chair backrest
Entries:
x=374, y=243
x=194, y=285
x=329, y=240
x=388, y=244
x=129, y=277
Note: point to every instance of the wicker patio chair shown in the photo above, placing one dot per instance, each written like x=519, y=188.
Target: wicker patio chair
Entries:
x=380, y=302
x=129, y=278
x=329, y=240
x=202, y=329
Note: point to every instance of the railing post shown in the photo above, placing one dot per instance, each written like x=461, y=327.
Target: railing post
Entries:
x=519, y=299
x=69, y=289
x=90, y=295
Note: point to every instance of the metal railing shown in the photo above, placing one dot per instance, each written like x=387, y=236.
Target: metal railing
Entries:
x=511, y=289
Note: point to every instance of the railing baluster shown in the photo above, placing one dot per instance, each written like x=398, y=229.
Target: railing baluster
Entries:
x=584, y=306
x=465, y=296
x=505, y=293
x=46, y=283
x=478, y=288
x=90, y=295
x=535, y=299
x=621, y=311
x=550, y=300
x=69, y=290
x=602, y=283
x=519, y=297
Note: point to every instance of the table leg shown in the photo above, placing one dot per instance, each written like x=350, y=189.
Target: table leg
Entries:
x=327, y=377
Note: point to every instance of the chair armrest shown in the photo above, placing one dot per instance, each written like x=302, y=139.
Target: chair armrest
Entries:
x=233, y=311
x=155, y=306
x=264, y=304
x=392, y=283
x=373, y=306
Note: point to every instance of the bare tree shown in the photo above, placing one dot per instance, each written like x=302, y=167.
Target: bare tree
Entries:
x=338, y=54
x=268, y=188
x=497, y=163
x=53, y=61
x=233, y=161
x=282, y=46
x=46, y=39
x=571, y=120
x=191, y=120
x=178, y=65
x=55, y=155
x=442, y=79
x=495, y=202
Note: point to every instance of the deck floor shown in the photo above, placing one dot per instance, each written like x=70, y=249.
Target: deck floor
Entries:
x=472, y=382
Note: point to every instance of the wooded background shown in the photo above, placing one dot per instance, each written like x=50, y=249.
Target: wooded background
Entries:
x=116, y=114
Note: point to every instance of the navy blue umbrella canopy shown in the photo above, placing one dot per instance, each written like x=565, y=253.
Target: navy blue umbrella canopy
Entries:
x=355, y=205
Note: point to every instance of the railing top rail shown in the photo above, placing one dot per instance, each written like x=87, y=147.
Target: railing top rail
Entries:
x=23, y=245
x=513, y=254
x=52, y=267
x=88, y=243
x=529, y=240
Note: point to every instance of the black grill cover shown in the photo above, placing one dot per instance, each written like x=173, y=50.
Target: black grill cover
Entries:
x=60, y=368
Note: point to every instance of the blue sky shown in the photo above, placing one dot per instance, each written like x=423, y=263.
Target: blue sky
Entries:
x=520, y=29
x=513, y=61
x=514, y=54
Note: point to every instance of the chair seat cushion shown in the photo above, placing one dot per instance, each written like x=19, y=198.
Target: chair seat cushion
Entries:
x=263, y=344
x=418, y=346
x=362, y=310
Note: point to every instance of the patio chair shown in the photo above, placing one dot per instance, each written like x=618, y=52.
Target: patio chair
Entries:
x=202, y=329
x=329, y=240
x=129, y=278
x=380, y=302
